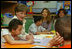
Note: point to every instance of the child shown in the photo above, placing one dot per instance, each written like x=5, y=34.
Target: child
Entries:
x=63, y=26
x=36, y=27
x=11, y=37
x=61, y=13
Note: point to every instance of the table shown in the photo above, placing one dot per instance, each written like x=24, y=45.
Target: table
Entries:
x=26, y=45
x=21, y=45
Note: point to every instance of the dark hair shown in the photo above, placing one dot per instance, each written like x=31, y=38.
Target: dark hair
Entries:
x=20, y=7
x=63, y=26
x=37, y=18
x=14, y=24
x=48, y=15
x=65, y=12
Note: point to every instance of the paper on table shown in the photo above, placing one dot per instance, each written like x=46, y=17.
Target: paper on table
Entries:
x=42, y=42
x=41, y=36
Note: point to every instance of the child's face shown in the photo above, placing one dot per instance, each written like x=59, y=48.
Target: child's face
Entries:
x=61, y=14
x=18, y=30
x=21, y=15
x=39, y=22
x=44, y=13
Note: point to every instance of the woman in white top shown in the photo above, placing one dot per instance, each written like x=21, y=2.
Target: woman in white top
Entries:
x=20, y=13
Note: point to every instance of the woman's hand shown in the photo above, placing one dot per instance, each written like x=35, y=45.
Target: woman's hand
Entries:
x=56, y=40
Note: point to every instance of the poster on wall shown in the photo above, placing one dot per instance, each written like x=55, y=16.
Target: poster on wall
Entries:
x=45, y=4
x=67, y=6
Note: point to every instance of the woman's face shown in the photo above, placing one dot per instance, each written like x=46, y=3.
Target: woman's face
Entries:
x=61, y=14
x=44, y=14
x=21, y=15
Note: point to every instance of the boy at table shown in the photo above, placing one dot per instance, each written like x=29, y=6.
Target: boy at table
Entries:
x=63, y=26
x=36, y=27
x=11, y=37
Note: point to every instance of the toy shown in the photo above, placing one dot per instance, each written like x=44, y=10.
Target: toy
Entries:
x=30, y=4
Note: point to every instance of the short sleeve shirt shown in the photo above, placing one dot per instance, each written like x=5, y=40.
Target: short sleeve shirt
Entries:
x=5, y=32
x=33, y=29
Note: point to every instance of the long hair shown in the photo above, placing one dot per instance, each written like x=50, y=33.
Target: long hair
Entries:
x=48, y=18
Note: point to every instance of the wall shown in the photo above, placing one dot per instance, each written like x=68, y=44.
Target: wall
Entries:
x=53, y=6
x=39, y=5
x=43, y=4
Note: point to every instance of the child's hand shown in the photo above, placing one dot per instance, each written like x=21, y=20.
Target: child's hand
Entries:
x=45, y=31
x=16, y=38
x=30, y=36
x=27, y=37
x=31, y=41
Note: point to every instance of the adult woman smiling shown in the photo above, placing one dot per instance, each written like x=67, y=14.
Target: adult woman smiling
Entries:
x=47, y=22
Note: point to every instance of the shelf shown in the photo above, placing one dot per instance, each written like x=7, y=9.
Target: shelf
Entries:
x=68, y=15
x=8, y=7
x=9, y=2
x=3, y=26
